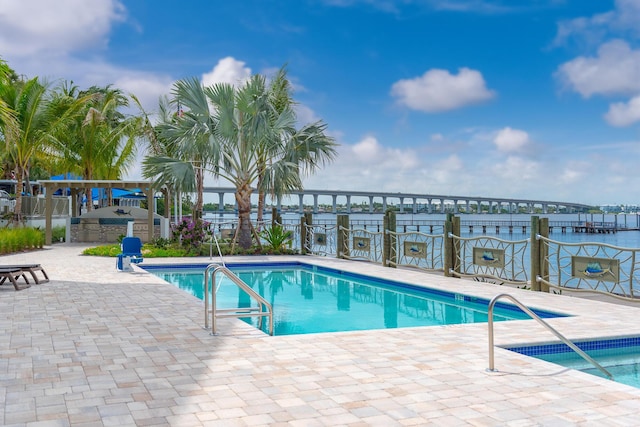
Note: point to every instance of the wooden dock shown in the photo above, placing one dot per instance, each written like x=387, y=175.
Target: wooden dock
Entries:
x=595, y=228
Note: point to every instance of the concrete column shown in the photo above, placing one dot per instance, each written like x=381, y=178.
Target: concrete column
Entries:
x=441, y=205
x=48, y=220
x=220, y=202
x=315, y=203
x=334, y=209
x=300, y=203
x=370, y=204
x=150, y=212
x=429, y=206
x=348, y=204
x=415, y=205
x=384, y=204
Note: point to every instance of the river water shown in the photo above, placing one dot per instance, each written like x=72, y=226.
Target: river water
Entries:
x=626, y=239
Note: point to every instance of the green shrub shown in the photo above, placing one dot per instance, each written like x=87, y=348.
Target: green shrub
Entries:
x=277, y=237
x=20, y=239
x=58, y=233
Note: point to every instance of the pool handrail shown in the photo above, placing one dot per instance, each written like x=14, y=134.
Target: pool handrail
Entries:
x=534, y=316
x=258, y=311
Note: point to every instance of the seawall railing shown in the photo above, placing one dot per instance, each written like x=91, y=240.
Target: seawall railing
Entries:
x=536, y=262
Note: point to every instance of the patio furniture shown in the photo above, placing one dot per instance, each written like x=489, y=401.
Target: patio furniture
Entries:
x=131, y=253
x=13, y=275
x=31, y=269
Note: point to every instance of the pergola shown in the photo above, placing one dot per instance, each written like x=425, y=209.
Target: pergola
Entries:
x=76, y=186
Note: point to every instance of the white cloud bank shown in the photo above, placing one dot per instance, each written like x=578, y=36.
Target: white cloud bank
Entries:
x=438, y=90
x=56, y=27
x=614, y=69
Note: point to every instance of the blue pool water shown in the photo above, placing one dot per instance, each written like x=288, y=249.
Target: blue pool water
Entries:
x=311, y=299
x=619, y=356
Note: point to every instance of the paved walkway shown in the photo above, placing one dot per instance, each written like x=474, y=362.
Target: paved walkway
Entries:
x=97, y=347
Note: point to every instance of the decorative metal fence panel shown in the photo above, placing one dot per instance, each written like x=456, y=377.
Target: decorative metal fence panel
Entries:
x=415, y=249
x=364, y=244
x=491, y=258
x=322, y=239
x=591, y=267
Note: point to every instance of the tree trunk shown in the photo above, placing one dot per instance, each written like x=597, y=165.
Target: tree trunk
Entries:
x=243, y=198
x=17, y=210
x=89, y=198
x=197, y=214
x=261, y=198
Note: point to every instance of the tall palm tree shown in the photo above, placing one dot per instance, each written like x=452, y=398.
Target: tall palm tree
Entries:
x=156, y=144
x=8, y=123
x=308, y=148
x=36, y=120
x=234, y=133
x=188, y=136
x=99, y=143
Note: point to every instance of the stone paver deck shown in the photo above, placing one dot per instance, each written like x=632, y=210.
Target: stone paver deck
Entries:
x=97, y=347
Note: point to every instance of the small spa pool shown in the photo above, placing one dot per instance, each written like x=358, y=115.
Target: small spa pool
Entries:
x=619, y=356
x=311, y=299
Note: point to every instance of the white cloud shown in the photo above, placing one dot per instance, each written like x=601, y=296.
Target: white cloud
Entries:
x=511, y=140
x=623, y=19
x=367, y=150
x=438, y=90
x=305, y=115
x=146, y=87
x=227, y=70
x=624, y=113
x=614, y=70
x=516, y=172
x=31, y=27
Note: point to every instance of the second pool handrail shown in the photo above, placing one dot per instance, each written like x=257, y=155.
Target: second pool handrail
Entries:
x=543, y=323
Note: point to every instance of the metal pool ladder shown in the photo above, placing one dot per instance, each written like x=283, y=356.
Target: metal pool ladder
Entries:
x=562, y=338
x=263, y=309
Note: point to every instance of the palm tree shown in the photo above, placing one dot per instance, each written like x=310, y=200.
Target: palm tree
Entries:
x=99, y=143
x=156, y=145
x=8, y=122
x=187, y=135
x=238, y=134
x=35, y=122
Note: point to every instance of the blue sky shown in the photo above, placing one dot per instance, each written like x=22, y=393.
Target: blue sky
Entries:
x=535, y=99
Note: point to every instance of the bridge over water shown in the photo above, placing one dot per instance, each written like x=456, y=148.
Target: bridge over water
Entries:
x=414, y=203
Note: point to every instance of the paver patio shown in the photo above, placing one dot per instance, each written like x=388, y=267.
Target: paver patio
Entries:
x=98, y=347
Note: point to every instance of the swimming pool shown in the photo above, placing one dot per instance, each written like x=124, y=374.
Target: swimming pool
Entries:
x=619, y=356
x=310, y=299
